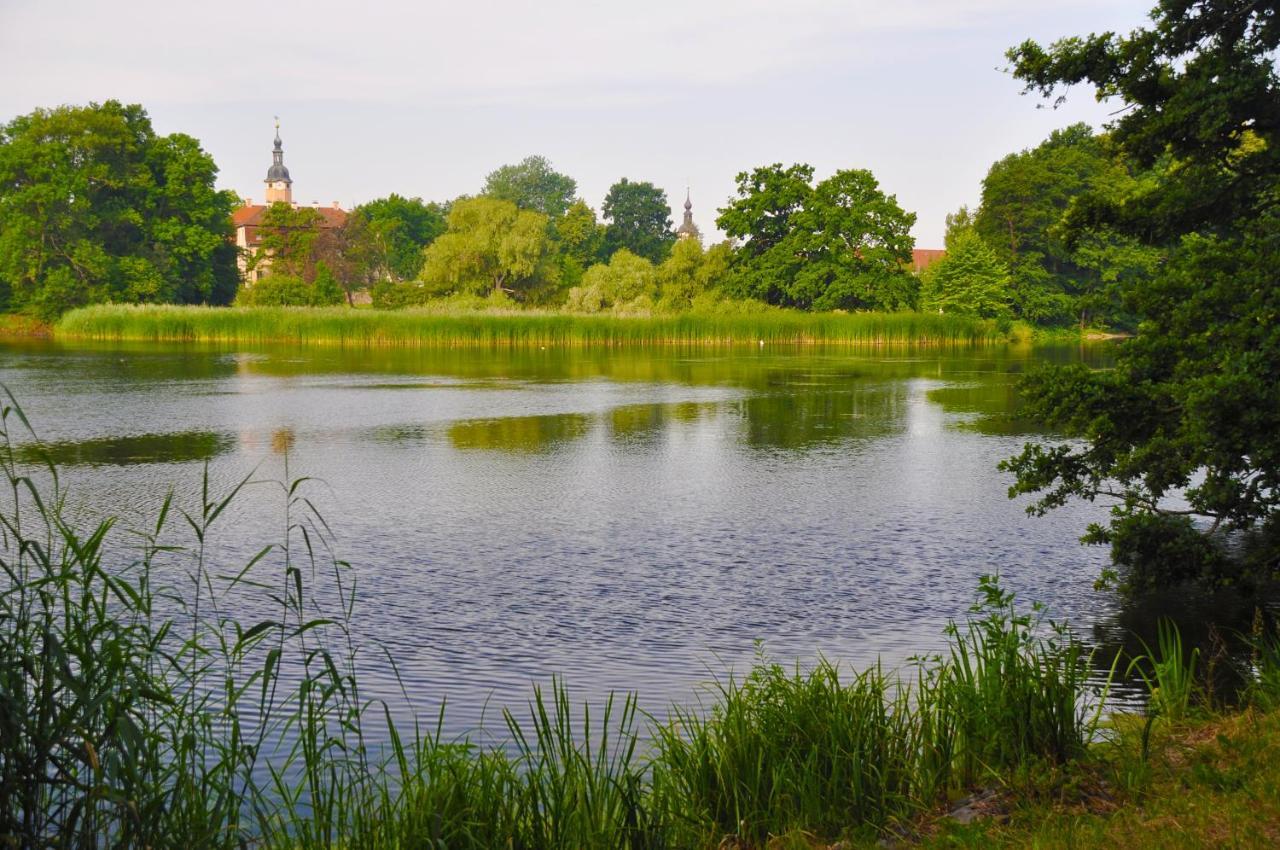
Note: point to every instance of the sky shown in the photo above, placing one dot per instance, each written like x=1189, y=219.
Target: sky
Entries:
x=425, y=98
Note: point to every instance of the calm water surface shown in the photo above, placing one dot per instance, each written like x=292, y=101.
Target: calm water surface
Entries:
x=634, y=520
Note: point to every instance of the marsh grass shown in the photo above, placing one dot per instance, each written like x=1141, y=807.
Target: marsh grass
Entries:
x=1168, y=671
x=426, y=328
x=136, y=712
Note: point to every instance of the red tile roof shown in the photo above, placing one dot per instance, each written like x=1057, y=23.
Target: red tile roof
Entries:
x=251, y=215
x=250, y=218
x=922, y=258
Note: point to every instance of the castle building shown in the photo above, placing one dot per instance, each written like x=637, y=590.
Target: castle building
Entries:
x=687, y=229
x=247, y=220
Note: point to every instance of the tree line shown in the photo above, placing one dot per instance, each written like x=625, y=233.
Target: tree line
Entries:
x=95, y=206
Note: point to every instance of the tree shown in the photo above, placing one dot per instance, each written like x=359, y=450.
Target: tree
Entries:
x=532, y=184
x=94, y=206
x=680, y=277
x=840, y=244
x=639, y=219
x=490, y=246
x=399, y=229
x=626, y=281
x=970, y=280
x=579, y=239
x=581, y=236
x=1183, y=435
x=288, y=237
x=1024, y=199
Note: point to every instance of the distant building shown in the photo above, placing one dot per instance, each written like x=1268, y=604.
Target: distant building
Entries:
x=922, y=258
x=248, y=219
x=687, y=229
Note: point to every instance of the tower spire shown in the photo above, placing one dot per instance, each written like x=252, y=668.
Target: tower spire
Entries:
x=279, y=184
x=687, y=229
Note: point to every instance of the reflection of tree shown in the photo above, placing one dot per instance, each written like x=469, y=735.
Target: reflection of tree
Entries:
x=636, y=420
x=524, y=434
x=816, y=415
x=181, y=447
x=994, y=400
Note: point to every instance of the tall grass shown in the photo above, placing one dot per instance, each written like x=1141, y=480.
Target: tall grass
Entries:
x=1168, y=671
x=342, y=326
x=123, y=726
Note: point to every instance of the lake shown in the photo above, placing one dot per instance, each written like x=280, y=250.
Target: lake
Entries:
x=630, y=519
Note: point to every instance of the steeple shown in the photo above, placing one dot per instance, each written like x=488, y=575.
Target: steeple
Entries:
x=279, y=185
x=687, y=229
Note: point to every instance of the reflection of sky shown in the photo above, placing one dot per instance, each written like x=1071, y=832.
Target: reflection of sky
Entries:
x=427, y=98
x=632, y=520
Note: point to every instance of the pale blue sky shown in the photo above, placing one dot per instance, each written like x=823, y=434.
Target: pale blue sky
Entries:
x=425, y=98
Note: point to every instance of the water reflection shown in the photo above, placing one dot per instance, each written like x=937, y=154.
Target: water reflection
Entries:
x=643, y=420
x=528, y=434
x=182, y=447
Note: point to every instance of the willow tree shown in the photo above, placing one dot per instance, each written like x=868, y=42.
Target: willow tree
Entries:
x=490, y=246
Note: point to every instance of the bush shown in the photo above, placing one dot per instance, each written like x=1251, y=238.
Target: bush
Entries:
x=288, y=291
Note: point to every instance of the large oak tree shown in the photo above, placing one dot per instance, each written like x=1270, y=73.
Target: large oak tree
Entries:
x=94, y=206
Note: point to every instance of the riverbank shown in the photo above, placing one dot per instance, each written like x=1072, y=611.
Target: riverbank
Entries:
x=1213, y=782
x=423, y=328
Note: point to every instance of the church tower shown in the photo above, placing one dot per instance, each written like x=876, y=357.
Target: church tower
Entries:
x=279, y=186
x=687, y=229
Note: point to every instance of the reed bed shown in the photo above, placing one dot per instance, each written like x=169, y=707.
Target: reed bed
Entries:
x=123, y=727
x=421, y=328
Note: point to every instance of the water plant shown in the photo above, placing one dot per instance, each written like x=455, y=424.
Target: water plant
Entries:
x=445, y=328
x=1168, y=672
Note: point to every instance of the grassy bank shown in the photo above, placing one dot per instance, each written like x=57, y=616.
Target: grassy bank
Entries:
x=1212, y=782
x=341, y=326
x=141, y=712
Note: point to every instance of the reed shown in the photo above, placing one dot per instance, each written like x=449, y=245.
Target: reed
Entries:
x=1168, y=672
x=123, y=727
x=409, y=328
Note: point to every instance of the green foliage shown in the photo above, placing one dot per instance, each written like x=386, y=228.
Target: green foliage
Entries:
x=783, y=751
x=389, y=295
x=1169, y=673
x=295, y=242
x=970, y=279
x=1011, y=691
x=532, y=184
x=1188, y=422
x=400, y=229
x=491, y=246
x=580, y=235
x=691, y=273
x=325, y=289
x=289, y=236
x=626, y=282
x=280, y=290
x=95, y=207
x=639, y=219
x=842, y=244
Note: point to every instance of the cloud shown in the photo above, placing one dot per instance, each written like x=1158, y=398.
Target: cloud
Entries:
x=432, y=53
